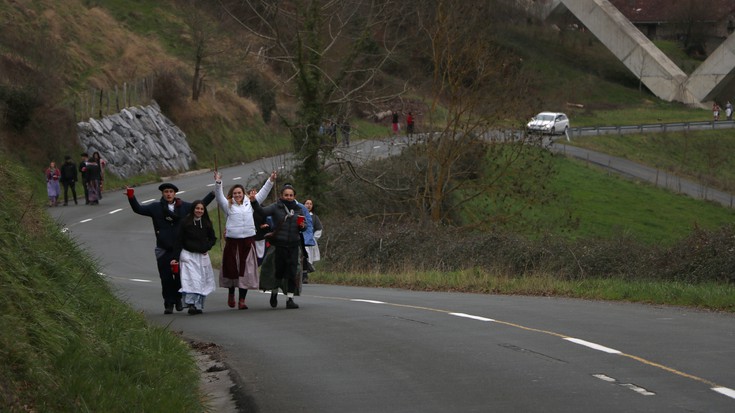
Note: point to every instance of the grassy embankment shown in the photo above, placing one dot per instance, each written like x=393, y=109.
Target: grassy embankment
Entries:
x=67, y=343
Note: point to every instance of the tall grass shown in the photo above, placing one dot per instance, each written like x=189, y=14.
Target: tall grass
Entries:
x=711, y=296
x=68, y=344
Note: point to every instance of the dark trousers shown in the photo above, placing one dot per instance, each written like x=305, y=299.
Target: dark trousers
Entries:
x=287, y=265
x=170, y=282
x=67, y=186
x=86, y=192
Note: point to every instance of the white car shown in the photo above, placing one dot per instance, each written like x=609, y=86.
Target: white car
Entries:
x=549, y=122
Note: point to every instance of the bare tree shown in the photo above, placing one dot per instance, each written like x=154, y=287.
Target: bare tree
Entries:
x=203, y=33
x=481, y=87
x=329, y=53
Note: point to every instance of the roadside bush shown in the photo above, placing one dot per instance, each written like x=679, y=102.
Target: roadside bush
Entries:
x=169, y=91
x=253, y=86
x=18, y=105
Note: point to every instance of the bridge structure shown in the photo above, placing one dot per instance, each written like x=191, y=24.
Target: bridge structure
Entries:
x=646, y=61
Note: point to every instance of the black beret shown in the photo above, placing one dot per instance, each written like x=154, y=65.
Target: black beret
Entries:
x=168, y=186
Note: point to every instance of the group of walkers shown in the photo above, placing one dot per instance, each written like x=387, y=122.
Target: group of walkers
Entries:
x=92, y=173
x=716, y=111
x=265, y=247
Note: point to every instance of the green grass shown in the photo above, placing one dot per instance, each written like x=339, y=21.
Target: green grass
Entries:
x=605, y=204
x=702, y=156
x=68, y=344
x=709, y=296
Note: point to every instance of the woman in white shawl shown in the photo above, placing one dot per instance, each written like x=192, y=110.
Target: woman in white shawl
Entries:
x=239, y=260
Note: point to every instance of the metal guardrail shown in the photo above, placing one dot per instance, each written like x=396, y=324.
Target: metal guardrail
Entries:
x=653, y=127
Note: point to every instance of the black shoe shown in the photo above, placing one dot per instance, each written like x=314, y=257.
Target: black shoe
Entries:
x=291, y=304
x=169, y=309
x=192, y=310
x=198, y=311
x=179, y=306
x=274, y=300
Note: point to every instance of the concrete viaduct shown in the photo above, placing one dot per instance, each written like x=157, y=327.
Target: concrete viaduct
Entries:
x=655, y=70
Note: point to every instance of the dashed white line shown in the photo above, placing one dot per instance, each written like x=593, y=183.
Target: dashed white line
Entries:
x=368, y=301
x=237, y=178
x=593, y=345
x=210, y=184
x=147, y=201
x=724, y=390
x=85, y=220
x=473, y=317
x=638, y=389
x=140, y=280
x=114, y=211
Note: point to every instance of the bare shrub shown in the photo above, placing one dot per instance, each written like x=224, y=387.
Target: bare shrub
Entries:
x=169, y=90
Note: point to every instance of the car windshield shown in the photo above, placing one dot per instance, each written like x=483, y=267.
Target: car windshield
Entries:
x=545, y=117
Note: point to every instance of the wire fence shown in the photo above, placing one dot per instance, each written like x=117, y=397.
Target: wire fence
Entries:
x=98, y=103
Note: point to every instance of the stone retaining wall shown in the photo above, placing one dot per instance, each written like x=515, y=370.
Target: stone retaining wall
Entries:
x=137, y=140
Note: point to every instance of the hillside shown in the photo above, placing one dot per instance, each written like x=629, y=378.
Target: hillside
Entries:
x=59, y=60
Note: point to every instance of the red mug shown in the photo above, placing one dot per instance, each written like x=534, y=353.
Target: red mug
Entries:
x=131, y=191
x=300, y=220
x=175, y=268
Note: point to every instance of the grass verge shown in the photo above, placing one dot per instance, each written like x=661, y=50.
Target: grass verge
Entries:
x=68, y=344
x=710, y=296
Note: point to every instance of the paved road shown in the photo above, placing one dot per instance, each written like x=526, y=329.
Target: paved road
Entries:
x=646, y=173
x=350, y=349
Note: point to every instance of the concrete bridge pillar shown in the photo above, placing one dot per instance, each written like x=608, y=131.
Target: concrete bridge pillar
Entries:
x=655, y=70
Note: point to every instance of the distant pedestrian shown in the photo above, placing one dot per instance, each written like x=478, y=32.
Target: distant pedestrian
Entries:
x=85, y=176
x=345, y=130
x=53, y=174
x=728, y=110
x=409, y=124
x=101, y=163
x=716, y=111
x=69, y=179
x=394, y=123
x=93, y=181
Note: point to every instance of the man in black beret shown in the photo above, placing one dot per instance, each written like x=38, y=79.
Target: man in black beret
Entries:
x=166, y=216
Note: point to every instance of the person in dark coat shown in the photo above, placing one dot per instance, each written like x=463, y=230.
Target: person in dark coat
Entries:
x=288, y=223
x=85, y=176
x=69, y=179
x=167, y=216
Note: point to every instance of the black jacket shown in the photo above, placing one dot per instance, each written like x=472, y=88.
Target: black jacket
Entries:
x=287, y=231
x=195, y=237
x=166, y=223
x=68, y=173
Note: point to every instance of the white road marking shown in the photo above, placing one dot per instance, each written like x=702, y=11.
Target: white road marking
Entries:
x=114, y=211
x=367, y=301
x=181, y=192
x=237, y=178
x=724, y=390
x=210, y=184
x=593, y=345
x=147, y=201
x=376, y=147
x=139, y=280
x=638, y=389
x=474, y=317
x=85, y=220
x=604, y=378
